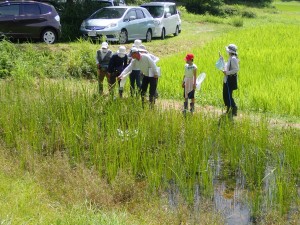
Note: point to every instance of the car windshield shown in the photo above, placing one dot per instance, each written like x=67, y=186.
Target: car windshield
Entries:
x=155, y=11
x=109, y=13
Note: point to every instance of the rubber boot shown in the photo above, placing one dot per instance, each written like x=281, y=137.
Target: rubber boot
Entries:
x=192, y=107
x=227, y=109
x=100, y=88
x=234, y=111
x=185, y=108
x=229, y=112
x=151, y=102
x=121, y=93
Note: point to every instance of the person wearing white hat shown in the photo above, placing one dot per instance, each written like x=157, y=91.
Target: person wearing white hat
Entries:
x=135, y=75
x=137, y=43
x=148, y=68
x=230, y=79
x=117, y=64
x=103, y=56
x=142, y=49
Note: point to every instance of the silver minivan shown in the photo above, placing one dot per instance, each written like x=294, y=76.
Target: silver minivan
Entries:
x=167, y=19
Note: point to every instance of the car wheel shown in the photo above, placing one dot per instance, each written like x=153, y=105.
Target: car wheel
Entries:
x=163, y=34
x=49, y=36
x=123, y=37
x=176, y=31
x=148, y=36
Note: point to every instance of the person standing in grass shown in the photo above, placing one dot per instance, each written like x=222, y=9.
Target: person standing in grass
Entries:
x=230, y=79
x=117, y=64
x=148, y=68
x=142, y=49
x=135, y=75
x=103, y=56
x=189, y=82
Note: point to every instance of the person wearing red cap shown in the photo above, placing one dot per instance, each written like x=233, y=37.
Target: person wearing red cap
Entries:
x=189, y=82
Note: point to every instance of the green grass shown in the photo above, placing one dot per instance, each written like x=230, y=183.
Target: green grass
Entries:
x=69, y=156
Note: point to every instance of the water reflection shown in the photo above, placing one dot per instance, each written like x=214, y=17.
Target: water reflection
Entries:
x=230, y=203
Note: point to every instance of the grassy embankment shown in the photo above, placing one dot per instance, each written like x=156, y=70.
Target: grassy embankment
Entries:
x=65, y=159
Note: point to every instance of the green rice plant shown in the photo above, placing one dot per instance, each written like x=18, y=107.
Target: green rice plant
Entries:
x=256, y=92
x=158, y=146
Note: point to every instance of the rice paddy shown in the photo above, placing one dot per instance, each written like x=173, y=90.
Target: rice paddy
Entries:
x=247, y=169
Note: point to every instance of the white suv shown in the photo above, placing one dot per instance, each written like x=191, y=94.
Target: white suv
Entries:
x=166, y=16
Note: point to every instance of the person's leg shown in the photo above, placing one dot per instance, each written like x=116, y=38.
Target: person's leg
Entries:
x=141, y=78
x=234, y=107
x=120, y=89
x=101, y=75
x=191, y=96
x=152, y=90
x=112, y=81
x=144, y=88
x=185, y=104
x=138, y=81
x=132, y=80
x=226, y=97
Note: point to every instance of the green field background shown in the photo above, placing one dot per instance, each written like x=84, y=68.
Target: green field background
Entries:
x=269, y=70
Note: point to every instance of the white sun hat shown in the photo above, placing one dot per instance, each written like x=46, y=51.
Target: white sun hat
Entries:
x=104, y=45
x=142, y=48
x=122, y=50
x=231, y=48
x=137, y=43
x=134, y=49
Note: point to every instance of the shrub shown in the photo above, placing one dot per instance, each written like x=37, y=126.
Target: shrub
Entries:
x=237, y=22
x=231, y=10
x=204, y=6
x=248, y=14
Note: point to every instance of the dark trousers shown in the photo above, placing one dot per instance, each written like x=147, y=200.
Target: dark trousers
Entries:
x=153, y=84
x=227, y=96
x=101, y=74
x=113, y=81
x=135, y=80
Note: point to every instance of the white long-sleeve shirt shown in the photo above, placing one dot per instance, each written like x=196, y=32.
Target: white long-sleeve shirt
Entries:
x=144, y=64
x=231, y=67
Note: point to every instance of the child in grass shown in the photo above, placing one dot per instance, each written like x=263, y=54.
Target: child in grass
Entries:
x=189, y=82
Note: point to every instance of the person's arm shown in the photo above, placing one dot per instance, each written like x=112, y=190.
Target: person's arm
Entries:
x=127, y=70
x=97, y=61
x=153, y=66
x=183, y=82
x=233, y=67
x=195, y=77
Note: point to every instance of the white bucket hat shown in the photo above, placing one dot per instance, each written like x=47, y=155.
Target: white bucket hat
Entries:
x=122, y=50
x=231, y=48
x=142, y=48
x=134, y=49
x=137, y=43
x=104, y=45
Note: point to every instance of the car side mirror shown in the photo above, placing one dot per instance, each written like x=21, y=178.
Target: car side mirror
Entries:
x=167, y=15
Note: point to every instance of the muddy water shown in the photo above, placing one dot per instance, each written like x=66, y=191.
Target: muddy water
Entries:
x=231, y=197
x=231, y=204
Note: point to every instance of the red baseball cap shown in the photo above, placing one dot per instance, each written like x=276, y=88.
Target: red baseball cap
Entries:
x=189, y=57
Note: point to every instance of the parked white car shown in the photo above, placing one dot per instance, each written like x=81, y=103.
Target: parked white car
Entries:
x=119, y=23
x=167, y=19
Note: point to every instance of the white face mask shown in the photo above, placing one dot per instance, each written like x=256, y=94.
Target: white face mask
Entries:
x=104, y=50
x=121, y=55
